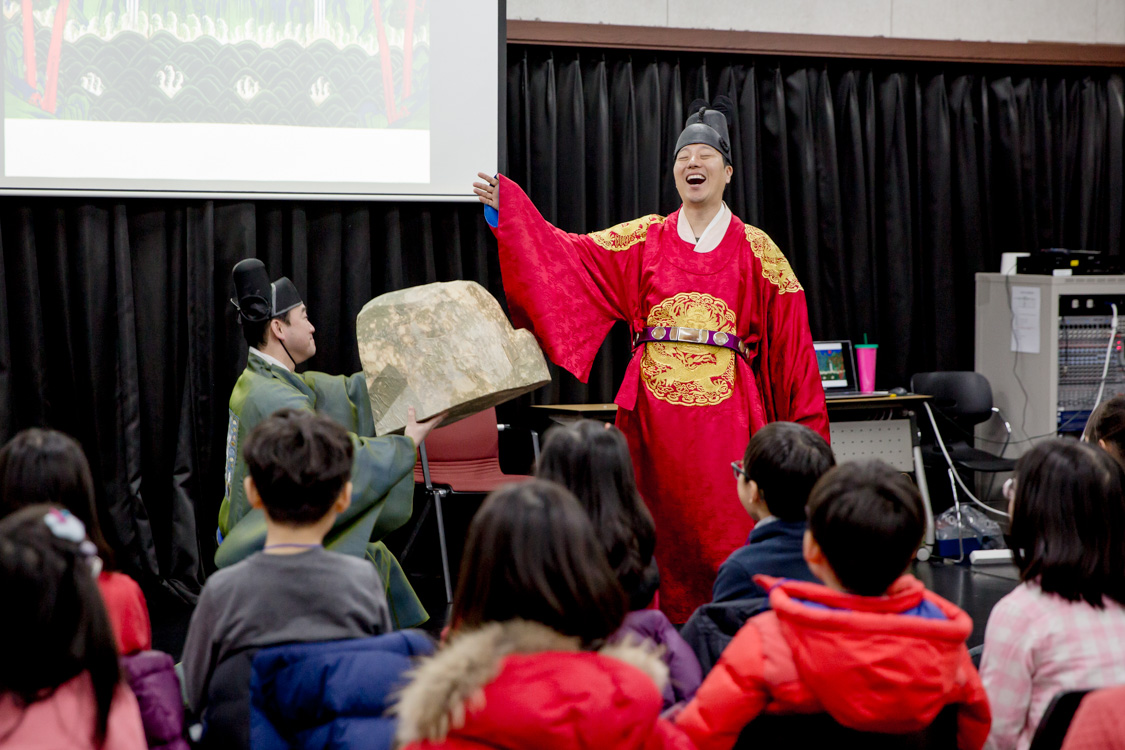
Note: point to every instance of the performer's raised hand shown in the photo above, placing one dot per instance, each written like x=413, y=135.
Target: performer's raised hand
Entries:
x=488, y=191
x=417, y=431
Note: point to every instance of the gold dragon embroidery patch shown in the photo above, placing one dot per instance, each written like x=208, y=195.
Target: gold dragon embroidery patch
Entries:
x=775, y=268
x=690, y=374
x=624, y=236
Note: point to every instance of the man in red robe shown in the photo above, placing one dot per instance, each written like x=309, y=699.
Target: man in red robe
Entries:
x=723, y=343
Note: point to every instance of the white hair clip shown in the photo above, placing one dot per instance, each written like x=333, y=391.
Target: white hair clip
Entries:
x=65, y=525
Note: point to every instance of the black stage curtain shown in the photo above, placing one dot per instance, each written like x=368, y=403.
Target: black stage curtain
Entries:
x=117, y=328
x=887, y=185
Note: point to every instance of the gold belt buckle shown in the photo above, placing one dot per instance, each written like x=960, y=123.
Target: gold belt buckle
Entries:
x=691, y=335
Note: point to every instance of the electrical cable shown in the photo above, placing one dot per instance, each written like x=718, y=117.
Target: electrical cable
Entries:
x=1008, y=442
x=949, y=461
x=1108, y=353
x=1003, y=450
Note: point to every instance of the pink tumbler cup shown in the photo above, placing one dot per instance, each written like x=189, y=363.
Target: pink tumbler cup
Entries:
x=865, y=363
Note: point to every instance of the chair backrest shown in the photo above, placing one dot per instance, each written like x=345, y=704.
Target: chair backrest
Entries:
x=471, y=438
x=965, y=397
x=821, y=730
x=466, y=455
x=1056, y=720
x=225, y=717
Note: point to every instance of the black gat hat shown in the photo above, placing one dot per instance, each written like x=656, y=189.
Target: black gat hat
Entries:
x=257, y=300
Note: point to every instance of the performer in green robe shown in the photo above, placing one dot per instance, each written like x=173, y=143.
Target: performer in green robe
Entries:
x=276, y=326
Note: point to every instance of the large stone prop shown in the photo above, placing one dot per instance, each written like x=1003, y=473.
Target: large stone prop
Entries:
x=443, y=347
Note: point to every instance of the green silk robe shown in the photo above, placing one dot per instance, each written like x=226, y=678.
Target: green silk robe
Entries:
x=382, y=473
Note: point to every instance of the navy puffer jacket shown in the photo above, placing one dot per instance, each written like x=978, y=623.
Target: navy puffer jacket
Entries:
x=333, y=694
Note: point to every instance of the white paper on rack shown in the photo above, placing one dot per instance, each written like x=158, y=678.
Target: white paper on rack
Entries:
x=1025, y=319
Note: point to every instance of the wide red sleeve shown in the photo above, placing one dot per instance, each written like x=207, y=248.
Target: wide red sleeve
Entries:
x=788, y=377
x=567, y=289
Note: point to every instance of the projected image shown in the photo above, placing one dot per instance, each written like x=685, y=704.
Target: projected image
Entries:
x=830, y=361
x=308, y=63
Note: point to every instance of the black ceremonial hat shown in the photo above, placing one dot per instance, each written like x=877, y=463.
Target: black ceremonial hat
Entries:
x=708, y=125
x=257, y=299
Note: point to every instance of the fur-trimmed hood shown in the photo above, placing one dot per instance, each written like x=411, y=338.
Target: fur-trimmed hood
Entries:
x=523, y=682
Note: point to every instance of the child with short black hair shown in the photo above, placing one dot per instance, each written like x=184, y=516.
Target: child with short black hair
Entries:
x=782, y=463
x=870, y=647
x=294, y=590
x=60, y=684
x=1051, y=633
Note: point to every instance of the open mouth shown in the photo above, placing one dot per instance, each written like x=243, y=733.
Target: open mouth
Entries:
x=696, y=179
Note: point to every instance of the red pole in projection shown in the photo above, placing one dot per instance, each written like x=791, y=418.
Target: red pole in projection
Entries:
x=393, y=113
x=53, y=53
x=408, y=50
x=28, y=43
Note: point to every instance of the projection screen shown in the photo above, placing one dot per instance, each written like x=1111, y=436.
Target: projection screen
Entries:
x=319, y=98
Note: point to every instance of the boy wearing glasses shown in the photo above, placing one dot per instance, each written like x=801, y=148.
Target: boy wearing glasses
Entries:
x=782, y=463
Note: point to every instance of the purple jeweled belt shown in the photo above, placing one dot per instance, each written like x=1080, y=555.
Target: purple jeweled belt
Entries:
x=666, y=334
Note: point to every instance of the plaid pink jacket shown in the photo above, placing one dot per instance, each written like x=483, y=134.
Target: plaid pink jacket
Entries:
x=1038, y=644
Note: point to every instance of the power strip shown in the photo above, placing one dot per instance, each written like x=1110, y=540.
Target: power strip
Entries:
x=990, y=557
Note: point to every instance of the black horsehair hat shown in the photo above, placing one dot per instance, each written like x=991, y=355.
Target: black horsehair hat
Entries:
x=707, y=123
x=257, y=299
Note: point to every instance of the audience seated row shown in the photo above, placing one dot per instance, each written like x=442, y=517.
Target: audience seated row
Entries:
x=554, y=640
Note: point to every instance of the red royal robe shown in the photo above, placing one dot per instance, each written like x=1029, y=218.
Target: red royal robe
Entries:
x=687, y=410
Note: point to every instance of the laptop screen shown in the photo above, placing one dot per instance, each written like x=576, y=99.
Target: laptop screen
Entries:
x=833, y=359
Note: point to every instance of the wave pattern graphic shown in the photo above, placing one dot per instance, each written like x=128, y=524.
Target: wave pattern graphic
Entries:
x=131, y=78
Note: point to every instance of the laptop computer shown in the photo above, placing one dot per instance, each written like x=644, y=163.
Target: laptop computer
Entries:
x=836, y=362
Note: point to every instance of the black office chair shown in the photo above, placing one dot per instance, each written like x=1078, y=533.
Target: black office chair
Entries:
x=960, y=401
x=1056, y=720
x=821, y=730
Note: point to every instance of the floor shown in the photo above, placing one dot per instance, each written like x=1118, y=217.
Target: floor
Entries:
x=975, y=590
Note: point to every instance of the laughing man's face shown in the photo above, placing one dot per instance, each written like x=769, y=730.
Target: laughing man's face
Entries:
x=701, y=175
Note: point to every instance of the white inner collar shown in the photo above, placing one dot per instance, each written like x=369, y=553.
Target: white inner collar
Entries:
x=710, y=238
x=268, y=358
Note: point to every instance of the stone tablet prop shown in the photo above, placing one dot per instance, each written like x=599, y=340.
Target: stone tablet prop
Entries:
x=443, y=347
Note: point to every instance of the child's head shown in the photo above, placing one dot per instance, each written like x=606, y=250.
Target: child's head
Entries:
x=866, y=521
x=591, y=459
x=1068, y=521
x=1106, y=427
x=782, y=463
x=46, y=466
x=532, y=554
x=299, y=463
x=54, y=621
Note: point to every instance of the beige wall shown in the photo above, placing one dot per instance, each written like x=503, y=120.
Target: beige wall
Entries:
x=1082, y=21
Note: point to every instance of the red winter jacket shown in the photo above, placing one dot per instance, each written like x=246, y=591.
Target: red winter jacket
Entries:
x=856, y=657
x=128, y=613
x=519, y=685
